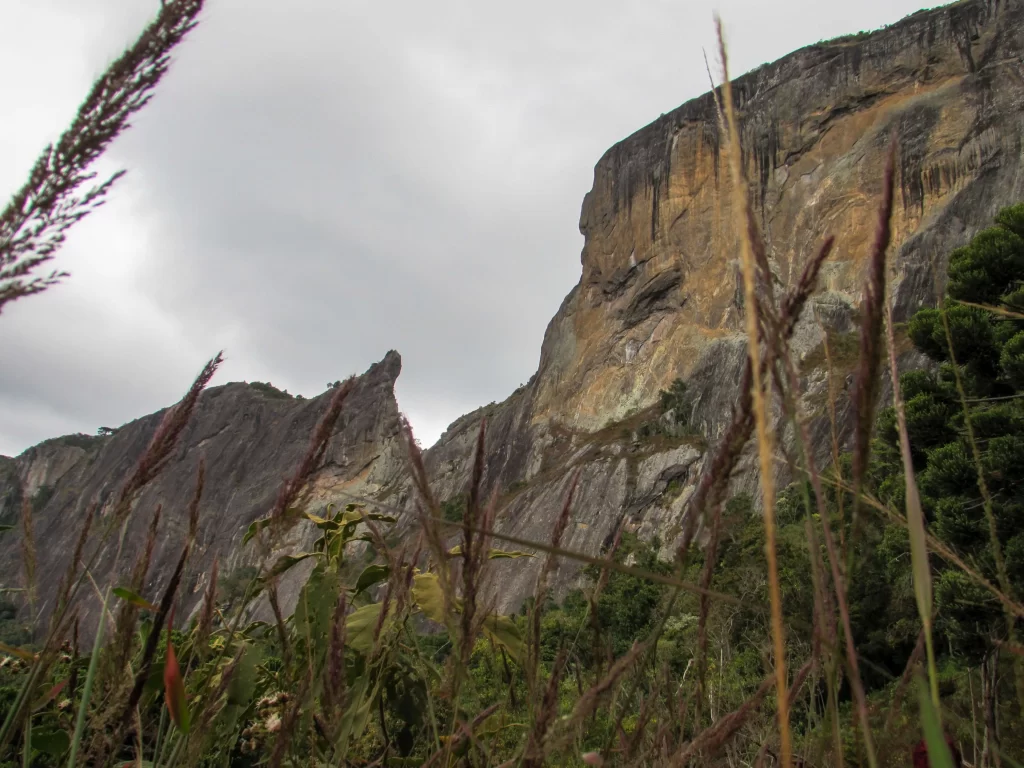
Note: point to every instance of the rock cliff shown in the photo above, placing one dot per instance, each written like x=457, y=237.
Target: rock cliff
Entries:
x=659, y=299
x=250, y=436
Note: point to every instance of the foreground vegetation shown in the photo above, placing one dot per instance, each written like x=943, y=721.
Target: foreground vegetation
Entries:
x=865, y=614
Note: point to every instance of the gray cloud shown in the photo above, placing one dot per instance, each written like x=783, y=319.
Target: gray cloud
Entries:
x=319, y=181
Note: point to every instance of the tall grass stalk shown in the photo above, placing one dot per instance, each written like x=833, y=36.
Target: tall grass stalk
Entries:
x=765, y=442
x=90, y=676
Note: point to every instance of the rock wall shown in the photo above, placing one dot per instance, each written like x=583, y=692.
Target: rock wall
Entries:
x=660, y=295
x=659, y=298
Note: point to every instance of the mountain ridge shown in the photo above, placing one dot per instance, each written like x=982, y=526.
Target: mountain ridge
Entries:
x=658, y=300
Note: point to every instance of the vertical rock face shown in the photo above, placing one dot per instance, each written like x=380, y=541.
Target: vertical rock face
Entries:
x=659, y=298
x=660, y=287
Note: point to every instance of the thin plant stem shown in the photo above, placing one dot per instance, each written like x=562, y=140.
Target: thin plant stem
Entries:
x=83, y=708
x=765, y=442
x=26, y=749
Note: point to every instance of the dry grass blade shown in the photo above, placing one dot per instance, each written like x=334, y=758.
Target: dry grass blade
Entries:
x=582, y=557
x=996, y=310
x=282, y=633
x=535, y=751
x=715, y=479
x=193, y=506
x=865, y=391
x=292, y=487
x=593, y=696
x=712, y=739
x=540, y=591
x=68, y=579
x=163, y=442
x=124, y=634
x=152, y=641
x=901, y=687
x=419, y=470
x=706, y=574
x=209, y=607
x=473, y=551
x=34, y=224
x=765, y=440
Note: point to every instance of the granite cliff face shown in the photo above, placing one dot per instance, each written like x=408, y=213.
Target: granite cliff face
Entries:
x=660, y=293
x=659, y=298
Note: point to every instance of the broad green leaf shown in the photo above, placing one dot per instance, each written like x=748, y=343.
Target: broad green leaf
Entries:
x=174, y=690
x=371, y=575
x=426, y=591
x=254, y=528
x=253, y=626
x=357, y=714
x=6, y=528
x=504, y=632
x=289, y=516
x=53, y=742
x=243, y=683
x=938, y=750
x=379, y=518
x=315, y=609
x=360, y=626
x=353, y=514
x=493, y=554
x=286, y=562
x=501, y=554
x=322, y=522
x=130, y=597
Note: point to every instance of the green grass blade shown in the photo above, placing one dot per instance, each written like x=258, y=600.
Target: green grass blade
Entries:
x=89, y=678
x=938, y=750
x=920, y=566
x=26, y=748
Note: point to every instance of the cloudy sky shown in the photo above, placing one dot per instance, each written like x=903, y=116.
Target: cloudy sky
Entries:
x=319, y=181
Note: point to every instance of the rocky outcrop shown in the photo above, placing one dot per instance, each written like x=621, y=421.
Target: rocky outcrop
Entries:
x=250, y=437
x=659, y=298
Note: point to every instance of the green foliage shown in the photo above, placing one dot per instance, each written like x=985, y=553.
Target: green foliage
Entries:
x=988, y=268
x=269, y=390
x=79, y=440
x=42, y=497
x=989, y=348
x=454, y=509
x=231, y=588
x=674, y=399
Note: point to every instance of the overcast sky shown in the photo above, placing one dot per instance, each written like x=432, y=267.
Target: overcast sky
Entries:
x=319, y=181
